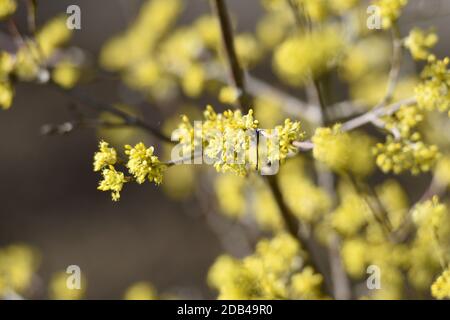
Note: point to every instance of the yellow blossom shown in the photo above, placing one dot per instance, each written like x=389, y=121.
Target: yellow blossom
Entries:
x=105, y=156
x=441, y=287
x=7, y=7
x=112, y=181
x=143, y=164
x=419, y=42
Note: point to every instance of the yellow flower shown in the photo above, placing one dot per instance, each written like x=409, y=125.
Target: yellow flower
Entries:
x=390, y=11
x=53, y=35
x=140, y=291
x=18, y=264
x=143, y=164
x=306, y=284
x=6, y=64
x=295, y=62
x=433, y=93
x=440, y=289
x=419, y=42
x=7, y=7
x=6, y=95
x=193, y=80
x=66, y=74
x=442, y=171
x=59, y=290
x=112, y=181
x=104, y=157
x=402, y=155
x=228, y=95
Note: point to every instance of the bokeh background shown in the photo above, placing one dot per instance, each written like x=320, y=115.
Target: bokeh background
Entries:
x=48, y=194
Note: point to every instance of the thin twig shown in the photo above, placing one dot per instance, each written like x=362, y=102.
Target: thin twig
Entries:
x=237, y=73
x=128, y=119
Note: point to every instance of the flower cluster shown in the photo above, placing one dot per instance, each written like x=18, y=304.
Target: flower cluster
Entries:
x=433, y=93
x=18, y=263
x=410, y=154
x=142, y=165
x=390, y=11
x=274, y=271
x=231, y=140
x=404, y=149
x=294, y=61
x=441, y=287
x=7, y=7
x=419, y=42
x=35, y=57
x=342, y=151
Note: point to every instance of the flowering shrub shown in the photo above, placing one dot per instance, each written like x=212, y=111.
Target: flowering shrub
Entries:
x=294, y=162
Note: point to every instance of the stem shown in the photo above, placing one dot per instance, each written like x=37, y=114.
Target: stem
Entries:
x=128, y=119
x=297, y=231
x=237, y=73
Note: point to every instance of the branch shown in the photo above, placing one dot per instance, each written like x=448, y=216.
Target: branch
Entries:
x=128, y=119
x=237, y=72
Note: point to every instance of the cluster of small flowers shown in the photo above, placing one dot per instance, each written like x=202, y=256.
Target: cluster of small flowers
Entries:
x=274, y=271
x=433, y=93
x=18, y=264
x=294, y=61
x=142, y=165
x=419, y=42
x=34, y=58
x=441, y=287
x=410, y=154
x=404, y=149
x=230, y=138
x=390, y=11
x=343, y=151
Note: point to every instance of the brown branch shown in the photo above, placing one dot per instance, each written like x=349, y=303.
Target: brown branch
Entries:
x=237, y=73
x=128, y=119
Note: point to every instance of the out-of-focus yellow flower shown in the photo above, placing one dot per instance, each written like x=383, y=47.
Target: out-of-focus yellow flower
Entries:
x=228, y=95
x=141, y=291
x=395, y=200
x=419, y=42
x=230, y=191
x=354, y=257
x=7, y=7
x=441, y=287
x=410, y=154
x=306, y=284
x=442, y=171
x=390, y=11
x=307, y=201
x=143, y=74
x=295, y=62
x=433, y=92
x=52, y=35
x=352, y=213
x=248, y=49
x=6, y=95
x=208, y=28
x=193, y=80
x=179, y=182
x=332, y=147
x=262, y=275
x=59, y=289
x=18, y=263
x=6, y=64
x=66, y=74
x=136, y=43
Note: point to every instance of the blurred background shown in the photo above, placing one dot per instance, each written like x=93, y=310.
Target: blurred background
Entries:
x=48, y=195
